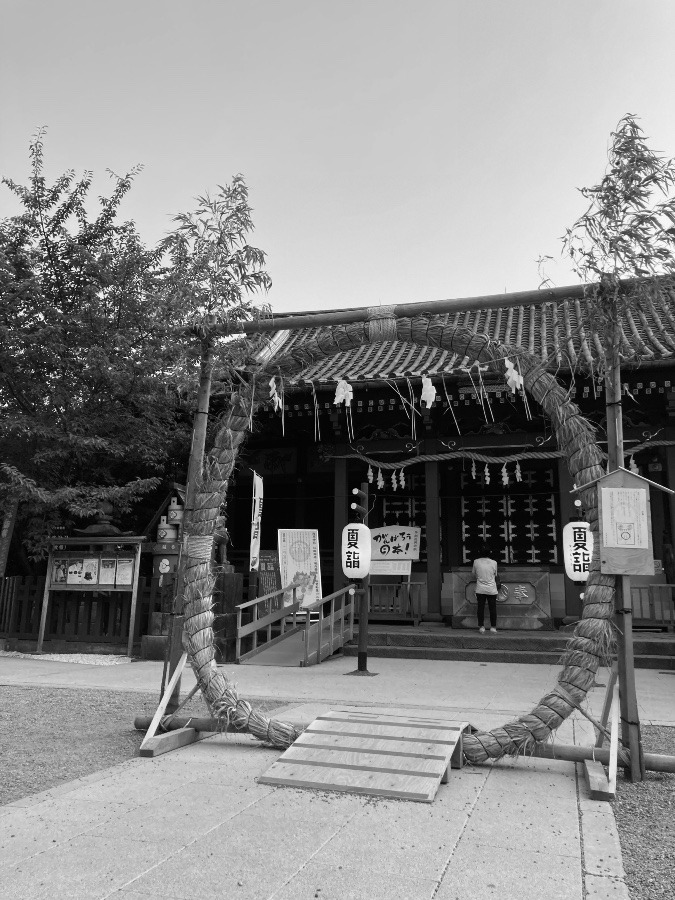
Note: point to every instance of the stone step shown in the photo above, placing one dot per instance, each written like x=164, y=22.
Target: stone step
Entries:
x=551, y=642
x=493, y=654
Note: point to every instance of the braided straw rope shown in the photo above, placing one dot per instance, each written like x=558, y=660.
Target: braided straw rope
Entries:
x=592, y=641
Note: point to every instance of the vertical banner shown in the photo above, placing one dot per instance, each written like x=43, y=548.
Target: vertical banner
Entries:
x=256, y=517
x=299, y=561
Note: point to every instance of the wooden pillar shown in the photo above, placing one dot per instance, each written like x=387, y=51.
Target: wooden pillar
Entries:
x=433, y=534
x=339, y=520
x=670, y=481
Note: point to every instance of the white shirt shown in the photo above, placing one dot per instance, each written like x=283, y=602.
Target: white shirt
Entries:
x=485, y=570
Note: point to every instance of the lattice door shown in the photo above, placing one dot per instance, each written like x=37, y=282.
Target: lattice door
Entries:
x=519, y=521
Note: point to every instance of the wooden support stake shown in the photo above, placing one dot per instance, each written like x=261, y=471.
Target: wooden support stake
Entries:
x=45, y=602
x=606, y=707
x=134, y=597
x=172, y=740
x=165, y=699
x=614, y=745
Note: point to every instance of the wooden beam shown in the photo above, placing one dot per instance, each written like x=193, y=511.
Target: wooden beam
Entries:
x=172, y=740
x=653, y=762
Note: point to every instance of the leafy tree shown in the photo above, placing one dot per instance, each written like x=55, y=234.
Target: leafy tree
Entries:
x=213, y=273
x=624, y=243
x=87, y=352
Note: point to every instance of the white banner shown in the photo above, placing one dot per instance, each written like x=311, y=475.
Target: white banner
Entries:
x=256, y=517
x=299, y=561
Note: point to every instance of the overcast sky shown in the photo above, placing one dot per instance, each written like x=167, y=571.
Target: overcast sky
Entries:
x=394, y=151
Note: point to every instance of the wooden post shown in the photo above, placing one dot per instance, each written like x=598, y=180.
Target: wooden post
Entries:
x=45, y=601
x=340, y=519
x=433, y=514
x=623, y=618
x=194, y=474
x=6, y=528
x=134, y=598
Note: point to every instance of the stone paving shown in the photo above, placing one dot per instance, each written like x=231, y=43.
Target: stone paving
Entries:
x=195, y=823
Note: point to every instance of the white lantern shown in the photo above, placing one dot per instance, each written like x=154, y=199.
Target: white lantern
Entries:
x=356, y=550
x=577, y=550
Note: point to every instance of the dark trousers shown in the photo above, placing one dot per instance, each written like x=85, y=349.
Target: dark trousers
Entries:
x=492, y=604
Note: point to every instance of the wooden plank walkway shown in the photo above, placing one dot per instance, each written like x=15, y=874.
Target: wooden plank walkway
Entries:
x=399, y=753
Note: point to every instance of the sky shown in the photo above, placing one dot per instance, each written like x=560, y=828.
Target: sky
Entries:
x=395, y=152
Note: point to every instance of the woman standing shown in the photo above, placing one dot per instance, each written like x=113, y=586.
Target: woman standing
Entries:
x=485, y=571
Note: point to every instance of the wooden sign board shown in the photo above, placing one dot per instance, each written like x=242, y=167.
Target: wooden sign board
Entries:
x=269, y=577
x=625, y=528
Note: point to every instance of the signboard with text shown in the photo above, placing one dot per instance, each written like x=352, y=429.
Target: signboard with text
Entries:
x=395, y=542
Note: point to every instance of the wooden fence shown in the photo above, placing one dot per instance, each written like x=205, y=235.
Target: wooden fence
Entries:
x=92, y=617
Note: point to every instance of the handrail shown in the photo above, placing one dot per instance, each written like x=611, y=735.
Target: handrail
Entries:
x=289, y=587
x=318, y=603
x=333, y=641
x=269, y=618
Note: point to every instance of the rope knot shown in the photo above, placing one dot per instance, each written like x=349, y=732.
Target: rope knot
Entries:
x=381, y=323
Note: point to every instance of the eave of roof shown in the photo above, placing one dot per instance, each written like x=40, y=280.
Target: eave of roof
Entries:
x=558, y=332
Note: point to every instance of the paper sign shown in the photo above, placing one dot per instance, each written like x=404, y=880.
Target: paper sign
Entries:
x=395, y=542
x=299, y=561
x=624, y=518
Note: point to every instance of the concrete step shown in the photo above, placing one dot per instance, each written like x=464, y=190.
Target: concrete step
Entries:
x=493, y=654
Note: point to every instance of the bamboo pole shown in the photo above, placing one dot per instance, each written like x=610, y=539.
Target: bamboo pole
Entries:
x=623, y=616
x=195, y=467
x=295, y=320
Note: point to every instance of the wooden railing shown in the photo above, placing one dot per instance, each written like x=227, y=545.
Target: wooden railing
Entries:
x=267, y=613
x=329, y=624
x=654, y=603
x=91, y=617
x=396, y=602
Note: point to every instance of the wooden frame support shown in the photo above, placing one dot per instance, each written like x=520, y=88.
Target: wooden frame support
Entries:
x=163, y=702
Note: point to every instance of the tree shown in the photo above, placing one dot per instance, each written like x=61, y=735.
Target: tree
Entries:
x=623, y=246
x=213, y=272
x=87, y=353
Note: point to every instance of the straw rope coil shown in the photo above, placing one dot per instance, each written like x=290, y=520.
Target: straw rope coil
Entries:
x=592, y=641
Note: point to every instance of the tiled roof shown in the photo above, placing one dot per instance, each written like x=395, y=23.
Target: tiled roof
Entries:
x=557, y=332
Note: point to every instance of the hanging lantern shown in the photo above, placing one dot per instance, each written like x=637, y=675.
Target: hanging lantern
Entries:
x=356, y=549
x=577, y=540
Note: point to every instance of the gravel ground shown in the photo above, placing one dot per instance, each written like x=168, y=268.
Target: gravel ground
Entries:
x=49, y=736
x=645, y=818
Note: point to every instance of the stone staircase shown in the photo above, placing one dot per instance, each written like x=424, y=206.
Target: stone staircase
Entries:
x=653, y=650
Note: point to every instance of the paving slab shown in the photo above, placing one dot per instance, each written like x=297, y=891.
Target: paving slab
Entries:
x=196, y=823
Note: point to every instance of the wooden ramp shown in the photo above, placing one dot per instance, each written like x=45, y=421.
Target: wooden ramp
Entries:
x=288, y=652
x=400, y=753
